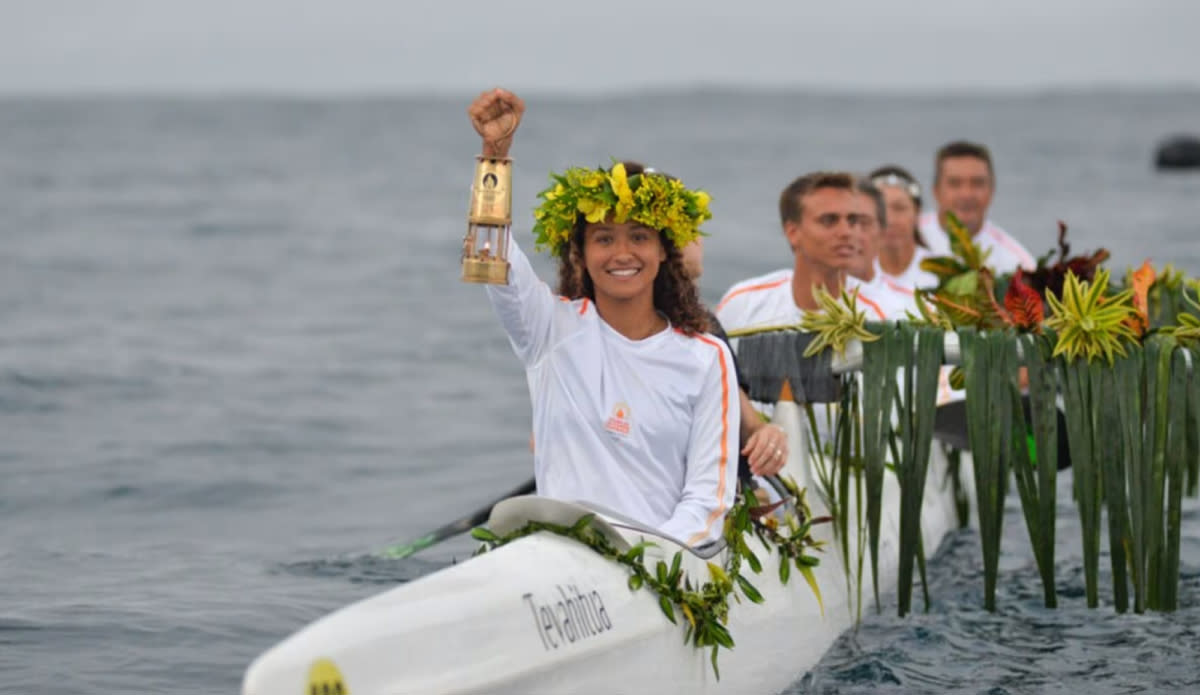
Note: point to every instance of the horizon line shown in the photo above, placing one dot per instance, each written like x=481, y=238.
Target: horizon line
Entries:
x=674, y=89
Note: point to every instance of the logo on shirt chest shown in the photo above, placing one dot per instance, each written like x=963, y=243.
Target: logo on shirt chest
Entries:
x=620, y=421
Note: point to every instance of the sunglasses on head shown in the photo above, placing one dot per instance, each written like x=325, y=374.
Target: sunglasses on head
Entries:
x=908, y=185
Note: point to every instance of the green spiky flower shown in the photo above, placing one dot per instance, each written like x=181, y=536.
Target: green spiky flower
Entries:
x=836, y=322
x=1090, y=325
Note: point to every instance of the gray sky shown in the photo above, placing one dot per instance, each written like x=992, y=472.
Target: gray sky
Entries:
x=395, y=46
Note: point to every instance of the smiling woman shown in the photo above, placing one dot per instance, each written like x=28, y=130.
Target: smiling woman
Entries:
x=622, y=260
x=635, y=406
x=610, y=261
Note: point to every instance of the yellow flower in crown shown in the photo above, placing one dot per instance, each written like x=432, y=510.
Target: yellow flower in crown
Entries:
x=648, y=198
x=620, y=185
x=592, y=180
x=593, y=210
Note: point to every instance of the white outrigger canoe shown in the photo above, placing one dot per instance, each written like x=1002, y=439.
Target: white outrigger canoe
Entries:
x=546, y=614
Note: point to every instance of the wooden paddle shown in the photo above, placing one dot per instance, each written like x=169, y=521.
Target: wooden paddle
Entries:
x=455, y=527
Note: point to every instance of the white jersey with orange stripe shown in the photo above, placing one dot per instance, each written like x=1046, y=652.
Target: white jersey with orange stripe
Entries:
x=892, y=300
x=1006, y=253
x=767, y=300
x=913, y=277
x=648, y=428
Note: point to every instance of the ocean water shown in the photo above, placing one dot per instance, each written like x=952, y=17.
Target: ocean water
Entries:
x=235, y=360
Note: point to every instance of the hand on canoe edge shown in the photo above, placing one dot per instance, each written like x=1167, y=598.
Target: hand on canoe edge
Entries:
x=766, y=449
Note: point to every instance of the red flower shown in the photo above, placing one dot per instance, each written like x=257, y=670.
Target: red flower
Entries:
x=1024, y=304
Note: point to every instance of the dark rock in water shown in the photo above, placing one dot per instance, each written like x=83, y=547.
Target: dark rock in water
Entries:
x=1178, y=152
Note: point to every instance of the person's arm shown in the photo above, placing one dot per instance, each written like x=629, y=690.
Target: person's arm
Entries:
x=711, y=477
x=525, y=305
x=764, y=445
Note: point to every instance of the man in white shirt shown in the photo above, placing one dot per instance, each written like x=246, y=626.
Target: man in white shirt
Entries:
x=894, y=300
x=822, y=218
x=821, y=221
x=964, y=182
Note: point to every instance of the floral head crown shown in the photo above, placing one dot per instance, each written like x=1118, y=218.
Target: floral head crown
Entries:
x=648, y=198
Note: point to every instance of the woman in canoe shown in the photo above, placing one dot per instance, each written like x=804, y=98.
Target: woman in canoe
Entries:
x=902, y=249
x=764, y=446
x=635, y=406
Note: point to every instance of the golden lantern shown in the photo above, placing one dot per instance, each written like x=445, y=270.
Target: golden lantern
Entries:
x=485, y=247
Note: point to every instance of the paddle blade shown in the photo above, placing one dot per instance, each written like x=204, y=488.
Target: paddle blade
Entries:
x=397, y=552
x=454, y=528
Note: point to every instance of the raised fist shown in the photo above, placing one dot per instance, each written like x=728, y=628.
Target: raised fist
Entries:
x=496, y=114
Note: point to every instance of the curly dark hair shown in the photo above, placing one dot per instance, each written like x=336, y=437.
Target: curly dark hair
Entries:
x=675, y=294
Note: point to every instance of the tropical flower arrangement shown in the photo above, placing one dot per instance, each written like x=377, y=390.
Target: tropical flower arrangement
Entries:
x=1120, y=359
x=654, y=200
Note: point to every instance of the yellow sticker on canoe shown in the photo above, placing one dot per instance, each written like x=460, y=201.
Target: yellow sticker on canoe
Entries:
x=324, y=678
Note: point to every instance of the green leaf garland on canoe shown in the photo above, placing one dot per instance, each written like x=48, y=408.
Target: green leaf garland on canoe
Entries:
x=702, y=603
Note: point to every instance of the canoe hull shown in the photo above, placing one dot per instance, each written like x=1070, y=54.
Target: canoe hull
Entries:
x=545, y=614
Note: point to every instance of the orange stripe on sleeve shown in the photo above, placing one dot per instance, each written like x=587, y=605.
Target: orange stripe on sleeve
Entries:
x=899, y=288
x=752, y=288
x=873, y=305
x=1013, y=247
x=720, y=510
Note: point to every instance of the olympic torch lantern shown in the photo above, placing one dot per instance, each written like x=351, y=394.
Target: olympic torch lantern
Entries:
x=485, y=247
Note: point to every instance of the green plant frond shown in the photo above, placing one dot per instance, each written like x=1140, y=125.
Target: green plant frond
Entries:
x=1071, y=293
x=757, y=330
x=928, y=315
x=1057, y=306
x=1171, y=277
x=962, y=244
x=1187, y=324
x=836, y=322
x=811, y=579
x=964, y=284
x=1091, y=292
x=1187, y=298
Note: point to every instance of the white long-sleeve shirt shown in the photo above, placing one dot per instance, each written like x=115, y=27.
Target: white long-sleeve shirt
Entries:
x=893, y=300
x=1007, y=254
x=767, y=300
x=648, y=428
x=913, y=277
